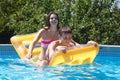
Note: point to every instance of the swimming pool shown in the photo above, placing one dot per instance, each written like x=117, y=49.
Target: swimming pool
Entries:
x=105, y=67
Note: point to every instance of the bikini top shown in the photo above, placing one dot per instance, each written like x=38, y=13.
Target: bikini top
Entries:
x=45, y=43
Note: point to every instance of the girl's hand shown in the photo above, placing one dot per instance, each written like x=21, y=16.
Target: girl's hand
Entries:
x=29, y=56
x=92, y=43
x=62, y=48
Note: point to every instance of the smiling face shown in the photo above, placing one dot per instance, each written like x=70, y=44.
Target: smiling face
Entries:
x=53, y=20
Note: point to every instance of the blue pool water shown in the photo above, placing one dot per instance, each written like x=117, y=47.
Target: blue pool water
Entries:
x=105, y=67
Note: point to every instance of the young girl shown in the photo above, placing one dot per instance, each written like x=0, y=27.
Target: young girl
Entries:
x=47, y=34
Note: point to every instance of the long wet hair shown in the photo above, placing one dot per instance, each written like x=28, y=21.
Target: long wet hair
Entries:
x=47, y=24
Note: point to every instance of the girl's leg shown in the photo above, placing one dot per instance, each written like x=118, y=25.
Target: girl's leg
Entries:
x=44, y=63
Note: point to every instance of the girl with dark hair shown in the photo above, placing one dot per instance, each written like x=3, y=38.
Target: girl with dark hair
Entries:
x=47, y=34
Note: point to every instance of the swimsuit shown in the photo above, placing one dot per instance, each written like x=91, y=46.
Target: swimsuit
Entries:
x=45, y=43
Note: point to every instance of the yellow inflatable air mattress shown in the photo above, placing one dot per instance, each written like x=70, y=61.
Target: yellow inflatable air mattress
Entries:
x=76, y=56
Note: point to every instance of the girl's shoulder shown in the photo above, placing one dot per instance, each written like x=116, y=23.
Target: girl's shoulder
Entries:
x=42, y=30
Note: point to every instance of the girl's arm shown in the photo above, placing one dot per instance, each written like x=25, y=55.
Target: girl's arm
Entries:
x=35, y=40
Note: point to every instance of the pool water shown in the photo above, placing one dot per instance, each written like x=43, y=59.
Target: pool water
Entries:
x=105, y=67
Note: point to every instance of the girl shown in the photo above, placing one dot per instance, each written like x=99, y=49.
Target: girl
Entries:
x=47, y=34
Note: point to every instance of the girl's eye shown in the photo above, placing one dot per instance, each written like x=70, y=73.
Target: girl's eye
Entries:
x=54, y=18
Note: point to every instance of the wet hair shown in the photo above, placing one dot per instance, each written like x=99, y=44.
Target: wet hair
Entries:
x=65, y=30
x=47, y=25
